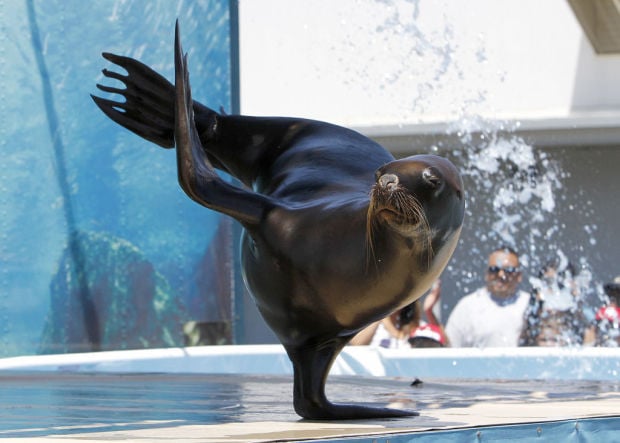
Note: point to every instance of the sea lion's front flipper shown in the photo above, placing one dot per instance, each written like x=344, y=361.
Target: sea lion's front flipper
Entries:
x=148, y=108
x=197, y=176
x=311, y=365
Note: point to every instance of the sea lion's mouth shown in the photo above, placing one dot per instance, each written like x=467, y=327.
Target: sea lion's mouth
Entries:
x=390, y=215
x=396, y=206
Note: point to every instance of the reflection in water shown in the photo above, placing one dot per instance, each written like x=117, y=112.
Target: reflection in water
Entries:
x=58, y=404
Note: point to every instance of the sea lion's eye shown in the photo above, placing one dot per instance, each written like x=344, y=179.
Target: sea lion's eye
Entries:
x=431, y=177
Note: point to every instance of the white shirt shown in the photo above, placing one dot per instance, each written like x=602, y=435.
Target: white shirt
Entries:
x=480, y=320
x=383, y=338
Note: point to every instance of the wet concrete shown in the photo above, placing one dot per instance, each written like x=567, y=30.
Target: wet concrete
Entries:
x=35, y=405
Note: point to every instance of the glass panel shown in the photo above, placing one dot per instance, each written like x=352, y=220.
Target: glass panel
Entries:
x=100, y=247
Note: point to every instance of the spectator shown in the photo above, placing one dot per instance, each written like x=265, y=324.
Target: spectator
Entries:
x=554, y=316
x=404, y=328
x=431, y=334
x=492, y=316
x=393, y=331
x=608, y=317
x=428, y=336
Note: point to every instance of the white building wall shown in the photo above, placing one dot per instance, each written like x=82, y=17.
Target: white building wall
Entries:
x=371, y=62
x=403, y=71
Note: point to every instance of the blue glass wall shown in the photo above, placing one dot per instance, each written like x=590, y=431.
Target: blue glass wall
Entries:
x=100, y=249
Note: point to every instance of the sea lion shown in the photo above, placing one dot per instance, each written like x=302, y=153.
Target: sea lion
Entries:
x=337, y=233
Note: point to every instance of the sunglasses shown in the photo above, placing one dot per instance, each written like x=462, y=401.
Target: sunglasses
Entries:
x=508, y=270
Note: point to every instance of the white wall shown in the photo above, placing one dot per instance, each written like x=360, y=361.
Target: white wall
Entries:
x=402, y=71
x=395, y=62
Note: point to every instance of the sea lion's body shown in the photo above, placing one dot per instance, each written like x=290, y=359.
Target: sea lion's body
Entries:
x=327, y=247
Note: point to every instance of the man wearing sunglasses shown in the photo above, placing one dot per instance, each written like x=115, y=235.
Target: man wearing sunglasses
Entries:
x=492, y=316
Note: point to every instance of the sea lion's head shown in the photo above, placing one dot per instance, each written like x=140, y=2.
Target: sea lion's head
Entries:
x=419, y=197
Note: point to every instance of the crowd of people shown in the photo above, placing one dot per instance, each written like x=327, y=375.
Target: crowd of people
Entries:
x=500, y=314
x=405, y=327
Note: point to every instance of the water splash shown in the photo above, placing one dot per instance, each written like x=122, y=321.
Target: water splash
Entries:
x=514, y=190
x=515, y=184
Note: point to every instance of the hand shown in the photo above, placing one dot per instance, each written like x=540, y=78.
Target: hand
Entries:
x=432, y=297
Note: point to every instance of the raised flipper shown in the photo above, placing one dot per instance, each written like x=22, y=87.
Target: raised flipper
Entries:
x=197, y=176
x=148, y=109
x=311, y=365
x=148, y=106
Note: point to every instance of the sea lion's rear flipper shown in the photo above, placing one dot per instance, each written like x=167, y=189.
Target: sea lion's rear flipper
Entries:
x=197, y=176
x=311, y=365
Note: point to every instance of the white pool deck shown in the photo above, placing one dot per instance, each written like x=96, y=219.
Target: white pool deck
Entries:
x=243, y=394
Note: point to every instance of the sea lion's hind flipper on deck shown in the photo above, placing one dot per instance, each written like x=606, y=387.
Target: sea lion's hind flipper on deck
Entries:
x=197, y=176
x=311, y=364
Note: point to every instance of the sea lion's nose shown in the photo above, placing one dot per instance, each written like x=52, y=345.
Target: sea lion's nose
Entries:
x=431, y=177
x=388, y=181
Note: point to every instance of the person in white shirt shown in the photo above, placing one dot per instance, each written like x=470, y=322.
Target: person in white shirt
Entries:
x=493, y=315
x=393, y=331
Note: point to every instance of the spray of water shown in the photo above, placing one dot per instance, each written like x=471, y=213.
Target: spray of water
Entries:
x=515, y=189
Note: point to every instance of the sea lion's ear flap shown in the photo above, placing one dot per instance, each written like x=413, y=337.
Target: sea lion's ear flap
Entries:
x=197, y=176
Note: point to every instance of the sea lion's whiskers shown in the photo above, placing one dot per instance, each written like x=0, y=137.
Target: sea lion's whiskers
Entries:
x=370, y=222
x=413, y=212
x=409, y=209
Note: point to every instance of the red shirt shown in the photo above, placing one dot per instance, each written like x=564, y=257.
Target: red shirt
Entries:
x=611, y=313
